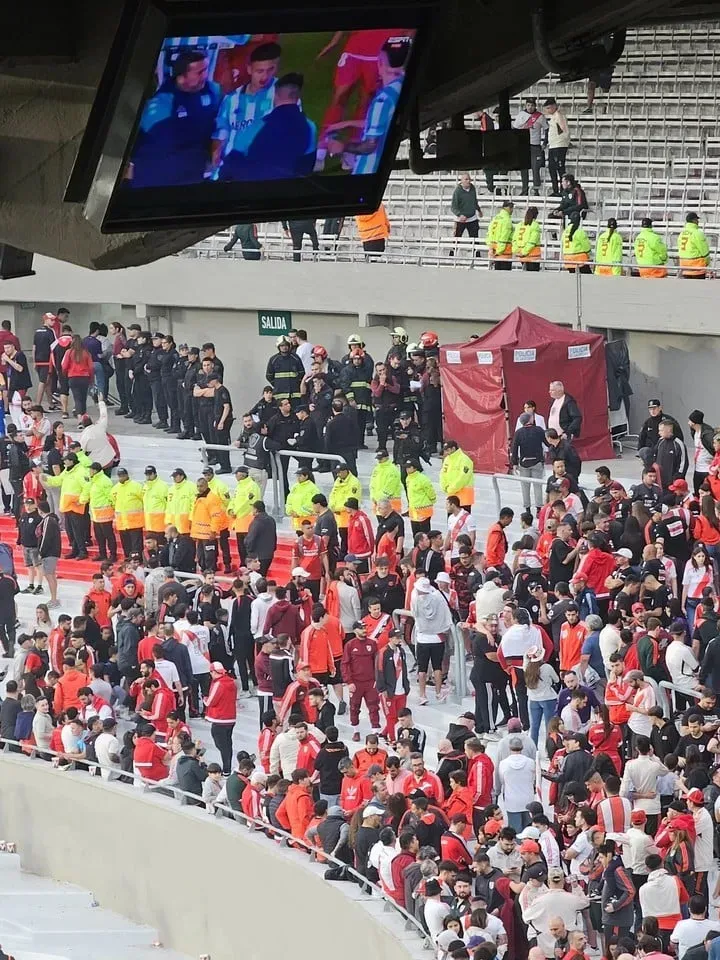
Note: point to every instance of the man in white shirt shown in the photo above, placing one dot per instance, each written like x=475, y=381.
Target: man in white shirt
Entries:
x=640, y=781
x=459, y=521
x=548, y=843
x=107, y=750
x=517, y=784
x=582, y=847
x=643, y=699
x=303, y=349
x=681, y=662
x=435, y=909
x=691, y=932
x=557, y=903
x=609, y=638
x=167, y=670
x=704, y=838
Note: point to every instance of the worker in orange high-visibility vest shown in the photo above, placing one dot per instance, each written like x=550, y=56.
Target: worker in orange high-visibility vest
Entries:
x=207, y=519
x=373, y=230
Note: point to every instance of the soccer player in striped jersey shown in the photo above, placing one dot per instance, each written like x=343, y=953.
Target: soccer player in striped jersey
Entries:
x=376, y=126
x=242, y=111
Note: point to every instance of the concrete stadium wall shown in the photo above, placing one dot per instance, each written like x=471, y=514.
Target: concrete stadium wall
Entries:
x=205, y=299
x=206, y=885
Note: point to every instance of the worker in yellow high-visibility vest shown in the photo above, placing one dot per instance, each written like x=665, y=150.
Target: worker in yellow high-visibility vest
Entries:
x=98, y=494
x=240, y=508
x=127, y=498
x=457, y=476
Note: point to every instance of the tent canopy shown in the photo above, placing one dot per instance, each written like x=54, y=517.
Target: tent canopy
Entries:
x=487, y=381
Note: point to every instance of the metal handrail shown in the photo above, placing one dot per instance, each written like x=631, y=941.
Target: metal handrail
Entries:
x=495, y=477
x=226, y=812
x=459, y=670
x=673, y=688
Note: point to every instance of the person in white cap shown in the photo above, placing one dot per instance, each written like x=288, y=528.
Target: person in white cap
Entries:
x=433, y=620
x=444, y=584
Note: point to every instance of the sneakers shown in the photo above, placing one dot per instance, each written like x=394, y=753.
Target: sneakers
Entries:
x=356, y=737
x=29, y=589
x=342, y=708
x=38, y=588
x=52, y=604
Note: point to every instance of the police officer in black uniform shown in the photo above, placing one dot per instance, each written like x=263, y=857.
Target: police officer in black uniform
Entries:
x=189, y=404
x=142, y=392
x=223, y=419
x=154, y=376
x=168, y=357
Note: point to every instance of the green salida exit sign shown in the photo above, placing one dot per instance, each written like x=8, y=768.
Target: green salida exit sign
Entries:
x=273, y=323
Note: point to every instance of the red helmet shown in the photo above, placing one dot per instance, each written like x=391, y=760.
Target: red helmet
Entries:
x=429, y=339
x=319, y=351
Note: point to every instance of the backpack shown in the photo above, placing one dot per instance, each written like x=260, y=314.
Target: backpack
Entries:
x=7, y=561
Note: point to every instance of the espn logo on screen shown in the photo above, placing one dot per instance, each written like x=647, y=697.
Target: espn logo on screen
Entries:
x=580, y=351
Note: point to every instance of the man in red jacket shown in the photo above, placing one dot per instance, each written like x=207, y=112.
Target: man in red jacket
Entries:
x=409, y=846
x=355, y=790
x=360, y=536
x=163, y=703
x=221, y=711
x=358, y=671
x=480, y=774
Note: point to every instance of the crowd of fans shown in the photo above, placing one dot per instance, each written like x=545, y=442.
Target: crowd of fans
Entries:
x=568, y=630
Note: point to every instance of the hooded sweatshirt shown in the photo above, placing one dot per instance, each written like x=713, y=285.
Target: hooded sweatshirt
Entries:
x=259, y=611
x=283, y=617
x=517, y=781
x=431, y=612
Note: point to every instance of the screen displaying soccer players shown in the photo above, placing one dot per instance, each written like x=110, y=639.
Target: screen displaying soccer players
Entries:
x=254, y=107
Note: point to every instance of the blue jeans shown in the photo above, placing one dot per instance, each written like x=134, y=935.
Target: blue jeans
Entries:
x=690, y=608
x=538, y=710
x=100, y=378
x=518, y=820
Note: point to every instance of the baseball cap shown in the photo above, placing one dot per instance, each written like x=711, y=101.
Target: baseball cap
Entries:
x=405, y=415
x=150, y=469
x=373, y=810
x=394, y=634
x=529, y=833
x=443, y=577
x=654, y=403
x=208, y=472
x=123, y=471
x=158, y=336
x=299, y=572
x=491, y=827
x=381, y=455
x=358, y=625
x=538, y=871
x=624, y=552
x=696, y=796
x=178, y=472
x=529, y=846
x=556, y=873
x=182, y=346
x=679, y=486
x=638, y=816
x=217, y=667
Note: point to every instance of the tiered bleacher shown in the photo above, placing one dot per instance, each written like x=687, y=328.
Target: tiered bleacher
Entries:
x=651, y=147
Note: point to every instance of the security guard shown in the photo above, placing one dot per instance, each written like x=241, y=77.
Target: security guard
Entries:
x=174, y=141
x=576, y=249
x=457, y=476
x=650, y=252
x=285, y=372
x=98, y=494
x=127, y=498
x=386, y=482
x=155, y=496
x=499, y=237
x=247, y=492
x=181, y=497
x=222, y=492
x=206, y=519
x=72, y=486
x=298, y=504
x=609, y=251
x=421, y=497
x=189, y=404
x=346, y=486
x=693, y=250
x=526, y=241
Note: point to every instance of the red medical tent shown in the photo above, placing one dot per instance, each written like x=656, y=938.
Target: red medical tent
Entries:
x=485, y=383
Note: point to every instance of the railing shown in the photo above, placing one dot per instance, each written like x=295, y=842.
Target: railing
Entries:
x=224, y=811
x=668, y=702
x=458, y=662
x=495, y=479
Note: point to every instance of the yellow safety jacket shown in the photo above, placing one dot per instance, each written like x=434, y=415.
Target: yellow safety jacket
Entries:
x=576, y=249
x=127, y=498
x=298, y=504
x=72, y=484
x=500, y=235
x=457, y=477
x=246, y=494
x=341, y=491
x=693, y=251
x=98, y=493
x=651, y=254
x=220, y=489
x=608, y=254
x=526, y=241
x=181, y=497
x=386, y=484
x=421, y=496
x=155, y=495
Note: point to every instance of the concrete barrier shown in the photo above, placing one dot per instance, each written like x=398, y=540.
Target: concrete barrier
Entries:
x=208, y=885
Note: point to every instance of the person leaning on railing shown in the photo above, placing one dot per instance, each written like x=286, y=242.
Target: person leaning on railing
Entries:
x=526, y=241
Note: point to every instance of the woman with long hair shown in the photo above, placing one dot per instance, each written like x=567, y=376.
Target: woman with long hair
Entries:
x=680, y=859
x=633, y=537
x=119, y=342
x=609, y=251
x=699, y=573
x=77, y=365
x=706, y=528
x=542, y=699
